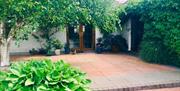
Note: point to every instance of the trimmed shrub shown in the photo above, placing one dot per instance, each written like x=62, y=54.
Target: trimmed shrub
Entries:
x=156, y=52
x=153, y=52
x=43, y=75
x=106, y=43
x=120, y=42
x=33, y=51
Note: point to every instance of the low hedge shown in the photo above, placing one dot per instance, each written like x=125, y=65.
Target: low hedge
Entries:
x=43, y=75
x=156, y=52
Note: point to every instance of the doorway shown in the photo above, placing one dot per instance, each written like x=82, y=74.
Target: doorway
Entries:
x=81, y=37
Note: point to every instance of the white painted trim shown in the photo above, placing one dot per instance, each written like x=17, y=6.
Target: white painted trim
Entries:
x=129, y=40
x=129, y=34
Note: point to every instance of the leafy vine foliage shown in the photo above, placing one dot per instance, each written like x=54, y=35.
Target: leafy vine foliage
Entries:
x=161, y=41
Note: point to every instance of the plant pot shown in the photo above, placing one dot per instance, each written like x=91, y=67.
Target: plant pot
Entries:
x=49, y=53
x=58, y=51
x=115, y=49
x=98, y=49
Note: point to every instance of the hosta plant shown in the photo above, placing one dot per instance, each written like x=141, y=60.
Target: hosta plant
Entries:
x=43, y=75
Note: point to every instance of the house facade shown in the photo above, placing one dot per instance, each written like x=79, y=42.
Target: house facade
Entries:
x=81, y=38
x=84, y=38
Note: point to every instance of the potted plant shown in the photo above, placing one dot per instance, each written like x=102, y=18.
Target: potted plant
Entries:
x=99, y=46
x=119, y=44
x=66, y=49
x=33, y=51
x=57, y=45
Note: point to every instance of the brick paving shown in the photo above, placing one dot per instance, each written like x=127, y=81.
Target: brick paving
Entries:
x=119, y=72
x=165, y=89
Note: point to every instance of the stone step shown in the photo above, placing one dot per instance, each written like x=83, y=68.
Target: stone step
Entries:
x=138, y=88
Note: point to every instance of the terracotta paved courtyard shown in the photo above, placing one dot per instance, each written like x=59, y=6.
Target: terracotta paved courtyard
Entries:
x=119, y=71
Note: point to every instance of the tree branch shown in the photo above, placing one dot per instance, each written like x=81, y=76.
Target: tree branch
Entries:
x=9, y=39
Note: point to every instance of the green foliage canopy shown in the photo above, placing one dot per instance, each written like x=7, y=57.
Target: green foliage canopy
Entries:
x=17, y=17
x=101, y=13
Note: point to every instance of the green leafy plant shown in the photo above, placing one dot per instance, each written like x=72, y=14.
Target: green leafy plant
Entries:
x=154, y=52
x=120, y=43
x=48, y=47
x=50, y=52
x=57, y=44
x=107, y=42
x=161, y=39
x=66, y=49
x=43, y=75
x=33, y=51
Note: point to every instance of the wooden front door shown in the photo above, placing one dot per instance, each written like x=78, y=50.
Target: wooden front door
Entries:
x=81, y=38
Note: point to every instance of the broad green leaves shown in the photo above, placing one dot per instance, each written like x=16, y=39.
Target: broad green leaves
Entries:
x=29, y=82
x=43, y=75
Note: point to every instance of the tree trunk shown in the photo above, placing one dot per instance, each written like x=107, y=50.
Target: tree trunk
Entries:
x=5, y=55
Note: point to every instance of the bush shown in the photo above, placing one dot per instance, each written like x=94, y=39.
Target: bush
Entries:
x=48, y=48
x=33, y=51
x=50, y=52
x=156, y=52
x=106, y=43
x=161, y=39
x=120, y=42
x=56, y=44
x=42, y=51
x=153, y=52
x=66, y=49
x=43, y=75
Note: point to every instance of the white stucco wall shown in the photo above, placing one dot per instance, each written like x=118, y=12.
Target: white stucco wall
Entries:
x=27, y=45
x=24, y=46
x=127, y=33
x=61, y=36
x=98, y=34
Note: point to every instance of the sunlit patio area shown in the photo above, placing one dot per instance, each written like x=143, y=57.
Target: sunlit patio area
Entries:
x=89, y=45
x=119, y=72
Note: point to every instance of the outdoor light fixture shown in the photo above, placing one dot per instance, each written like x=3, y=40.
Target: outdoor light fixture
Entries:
x=75, y=30
x=83, y=28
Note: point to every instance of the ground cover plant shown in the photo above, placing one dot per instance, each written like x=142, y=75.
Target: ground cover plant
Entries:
x=43, y=75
